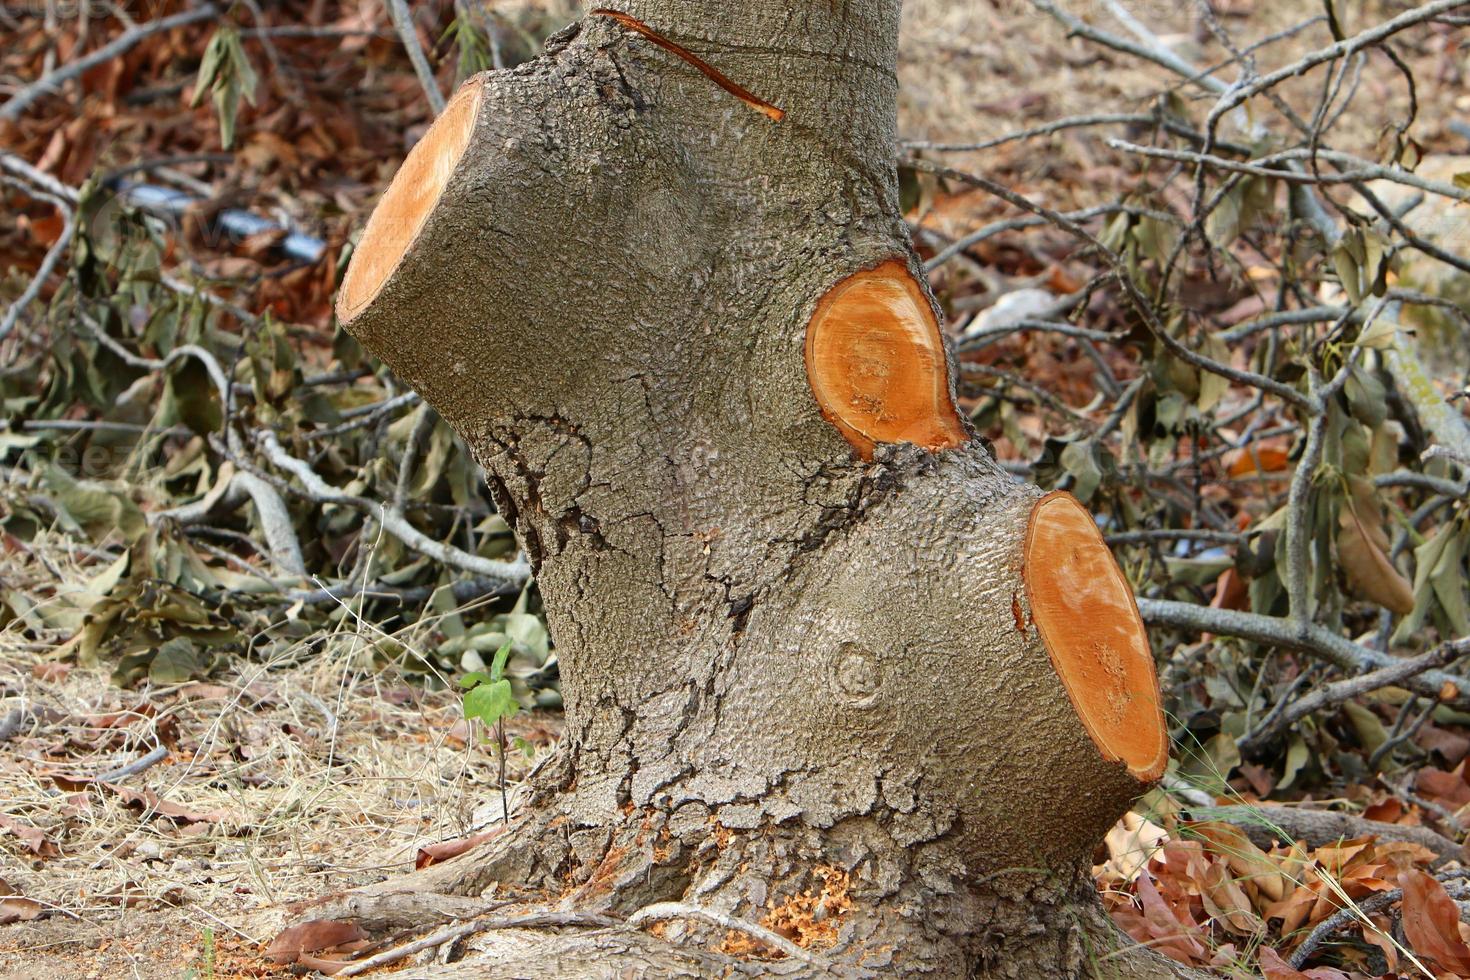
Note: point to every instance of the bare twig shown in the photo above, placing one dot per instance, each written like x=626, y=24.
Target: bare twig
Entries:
x=43, y=273
x=1359, y=912
x=1372, y=37
x=683, y=910
x=403, y=22
x=463, y=930
x=155, y=756
x=1331, y=695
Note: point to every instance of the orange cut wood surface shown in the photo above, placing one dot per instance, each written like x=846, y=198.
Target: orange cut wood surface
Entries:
x=408, y=201
x=876, y=363
x=1088, y=619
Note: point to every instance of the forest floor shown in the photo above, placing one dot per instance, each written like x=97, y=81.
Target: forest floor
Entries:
x=290, y=778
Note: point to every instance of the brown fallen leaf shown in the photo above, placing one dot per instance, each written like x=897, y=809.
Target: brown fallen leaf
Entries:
x=1449, y=789
x=151, y=805
x=16, y=908
x=1265, y=459
x=446, y=849
x=1432, y=922
x=33, y=837
x=312, y=936
x=1381, y=935
x=1227, y=902
x=199, y=691
x=1362, y=547
x=1244, y=858
x=1162, y=930
x=322, y=965
x=1451, y=745
x=132, y=895
x=1273, y=967
x=50, y=671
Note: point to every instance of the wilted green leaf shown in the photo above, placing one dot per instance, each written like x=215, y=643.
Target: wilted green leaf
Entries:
x=175, y=662
x=1297, y=757
x=225, y=73
x=1369, y=728
x=98, y=509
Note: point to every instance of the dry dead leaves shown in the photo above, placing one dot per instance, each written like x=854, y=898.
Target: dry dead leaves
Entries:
x=33, y=838
x=1203, y=894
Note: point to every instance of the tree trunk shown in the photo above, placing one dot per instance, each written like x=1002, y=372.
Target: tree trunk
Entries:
x=827, y=668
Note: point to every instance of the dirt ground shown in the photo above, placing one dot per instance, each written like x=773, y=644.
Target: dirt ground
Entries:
x=281, y=783
x=286, y=781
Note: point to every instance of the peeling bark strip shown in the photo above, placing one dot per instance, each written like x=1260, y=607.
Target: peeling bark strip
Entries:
x=876, y=363
x=1088, y=618
x=710, y=71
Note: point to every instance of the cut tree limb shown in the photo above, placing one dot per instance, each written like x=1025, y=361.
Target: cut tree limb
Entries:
x=695, y=354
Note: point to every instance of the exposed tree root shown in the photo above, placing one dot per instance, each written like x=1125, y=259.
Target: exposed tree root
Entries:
x=696, y=899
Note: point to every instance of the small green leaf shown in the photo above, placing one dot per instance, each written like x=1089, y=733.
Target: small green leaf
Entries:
x=226, y=73
x=1380, y=335
x=195, y=397
x=491, y=702
x=209, y=67
x=1347, y=258
x=497, y=667
x=1223, y=225
x=1366, y=397
x=1212, y=387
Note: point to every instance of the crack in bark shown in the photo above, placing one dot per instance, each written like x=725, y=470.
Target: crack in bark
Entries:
x=885, y=476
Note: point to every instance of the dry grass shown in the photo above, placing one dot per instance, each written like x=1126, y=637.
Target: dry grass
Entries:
x=309, y=776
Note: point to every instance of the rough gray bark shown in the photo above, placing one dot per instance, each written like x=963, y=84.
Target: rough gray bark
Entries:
x=777, y=659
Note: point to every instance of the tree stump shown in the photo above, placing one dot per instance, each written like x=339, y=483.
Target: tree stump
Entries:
x=828, y=669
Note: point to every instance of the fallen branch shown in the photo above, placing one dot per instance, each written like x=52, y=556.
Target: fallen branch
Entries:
x=1136, y=298
x=1270, y=167
x=43, y=272
x=275, y=519
x=1360, y=911
x=463, y=591
x=155, y=756
x=1267, y=825
x=1308, y=638
x=1372, y=37
x=1331, y=695
x=512, y=573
